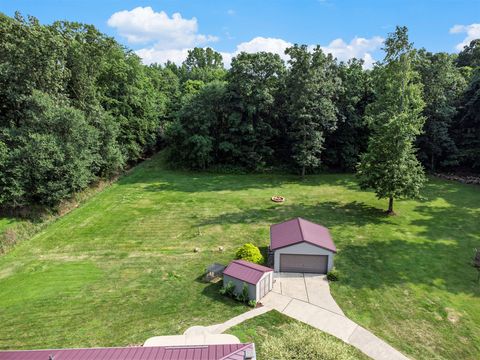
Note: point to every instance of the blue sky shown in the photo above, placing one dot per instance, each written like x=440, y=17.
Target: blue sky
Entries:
x=344, y=27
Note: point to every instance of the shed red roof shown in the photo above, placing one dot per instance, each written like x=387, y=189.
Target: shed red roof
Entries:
x=246, y=271
x=300, y=230
x=196, y=352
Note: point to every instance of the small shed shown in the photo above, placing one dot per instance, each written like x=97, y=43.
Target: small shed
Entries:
x=301, y=246
x=258, y=278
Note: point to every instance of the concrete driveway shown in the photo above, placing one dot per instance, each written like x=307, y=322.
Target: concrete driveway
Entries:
x=307, y=298
x=310, y=288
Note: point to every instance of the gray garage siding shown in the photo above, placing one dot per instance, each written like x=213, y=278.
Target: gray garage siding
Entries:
x=303, y=249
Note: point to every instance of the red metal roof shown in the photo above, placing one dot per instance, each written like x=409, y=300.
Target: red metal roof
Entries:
x=246, y=271
x=300, y=230
x=194, y=352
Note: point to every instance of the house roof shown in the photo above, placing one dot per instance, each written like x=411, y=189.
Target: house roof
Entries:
x=299, y=230
x=246, y=271
x=193, y=352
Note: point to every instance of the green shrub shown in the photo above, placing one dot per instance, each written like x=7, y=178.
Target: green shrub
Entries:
x=250, y=252
x=228, y=290
x=333, y=275
x=243, y=296
x=252, y=303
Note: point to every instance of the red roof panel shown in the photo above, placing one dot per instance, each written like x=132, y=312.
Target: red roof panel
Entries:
x=299, y=230
x=194, y=352
x=246, y=271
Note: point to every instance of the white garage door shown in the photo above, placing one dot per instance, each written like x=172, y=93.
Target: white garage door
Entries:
x=303, y=263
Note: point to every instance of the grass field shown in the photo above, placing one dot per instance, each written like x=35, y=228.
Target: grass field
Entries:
x=271, y=330
x=121, y=267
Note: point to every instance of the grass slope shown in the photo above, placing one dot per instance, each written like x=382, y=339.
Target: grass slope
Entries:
x=121, y=267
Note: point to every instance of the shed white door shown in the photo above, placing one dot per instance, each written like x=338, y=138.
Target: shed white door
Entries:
x=303, y=263
x=264, y=286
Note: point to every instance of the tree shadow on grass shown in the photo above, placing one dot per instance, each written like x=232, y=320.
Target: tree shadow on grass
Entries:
x=191, y=182
x=212, y=291
x=459, y=224
x=329, y=214
x=377, y=265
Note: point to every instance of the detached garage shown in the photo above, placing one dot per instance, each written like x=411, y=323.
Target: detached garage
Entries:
x=258, y=278
x=301, y=246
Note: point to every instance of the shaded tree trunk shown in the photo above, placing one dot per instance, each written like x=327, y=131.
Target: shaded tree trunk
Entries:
x=303, y=172
x=390, y=206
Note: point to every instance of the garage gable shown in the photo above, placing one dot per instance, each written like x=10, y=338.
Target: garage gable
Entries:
x=299, y=230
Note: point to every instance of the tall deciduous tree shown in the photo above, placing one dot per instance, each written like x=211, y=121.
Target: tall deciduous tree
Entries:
x=311, y=86
x=203, y=64
x=443, y=84
x=467, y=126
x=193, y=138
x=470, y=55
x=390, y=166
x=254, y=82
x=344, y=145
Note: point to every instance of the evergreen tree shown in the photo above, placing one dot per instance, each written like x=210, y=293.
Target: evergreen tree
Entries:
x=390, y=166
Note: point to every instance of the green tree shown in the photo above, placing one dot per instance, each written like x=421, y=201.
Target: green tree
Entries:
x=311, y=87
x=203, y=64
x=466, y=129
x=390, y=166
x=50, y=154
x=470, y=55
x=75, y=105
x=345, y=144
x=193, y=137
x=254, y=82
x=443, y=84
x=129, y=95
x=32, y=57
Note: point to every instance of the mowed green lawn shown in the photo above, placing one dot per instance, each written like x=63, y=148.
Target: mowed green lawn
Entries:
x=121, y=267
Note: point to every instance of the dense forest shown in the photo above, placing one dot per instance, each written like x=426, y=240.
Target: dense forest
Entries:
x=76, y=106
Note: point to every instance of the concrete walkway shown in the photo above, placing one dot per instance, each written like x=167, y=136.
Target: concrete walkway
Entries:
x=304, y=297
x=307, y=298
x=220, y=328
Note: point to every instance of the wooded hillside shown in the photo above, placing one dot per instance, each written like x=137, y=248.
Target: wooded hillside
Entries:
x=76, y=106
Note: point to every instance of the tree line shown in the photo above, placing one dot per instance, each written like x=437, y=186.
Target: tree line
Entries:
x=76, y=106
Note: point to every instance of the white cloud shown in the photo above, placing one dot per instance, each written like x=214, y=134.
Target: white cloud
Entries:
x=143, y=25
x=359, y=48
x=472, y=31
x=170, y=38
x=231, y=12
x=273, y=45
x=161, y=56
